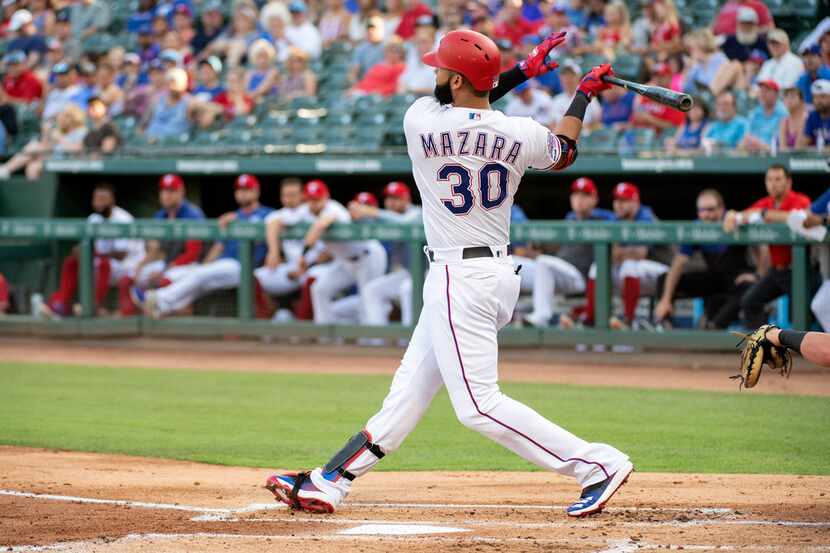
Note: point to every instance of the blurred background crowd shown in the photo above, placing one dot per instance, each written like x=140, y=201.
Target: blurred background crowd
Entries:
x=124, y=76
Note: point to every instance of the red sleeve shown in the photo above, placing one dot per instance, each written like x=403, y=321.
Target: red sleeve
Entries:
x=763, y=203
x=803, y=202
x=191, y=254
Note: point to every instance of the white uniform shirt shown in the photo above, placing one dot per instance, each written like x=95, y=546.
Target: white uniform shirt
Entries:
x=288, y=216
x=339, y=249
x=105, y=246
x=541, y=108
x=467, y=164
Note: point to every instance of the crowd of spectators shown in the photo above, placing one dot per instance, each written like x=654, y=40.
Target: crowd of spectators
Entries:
x=179, y=65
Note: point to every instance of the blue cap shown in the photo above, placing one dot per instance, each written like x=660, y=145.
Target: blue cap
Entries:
x=522, y=87
x=812, y=50
x=15, y=56
x=297, y=6
x=60, y=68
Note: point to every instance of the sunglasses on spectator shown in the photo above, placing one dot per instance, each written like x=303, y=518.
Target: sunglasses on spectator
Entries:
x=707, y=208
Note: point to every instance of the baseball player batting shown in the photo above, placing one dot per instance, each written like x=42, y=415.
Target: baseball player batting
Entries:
x=467, y=162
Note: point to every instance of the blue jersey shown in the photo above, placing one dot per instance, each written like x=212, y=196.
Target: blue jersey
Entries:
x=820, y=206
x=186, y=211
x=231, y=249
x=597, y=214
x=817, y=128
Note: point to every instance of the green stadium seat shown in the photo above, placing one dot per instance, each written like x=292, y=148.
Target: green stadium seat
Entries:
x=629, y=66
x=600, y=140
x=306, y=135
x=368, y=138
x=370, y=117
x=638, y=140
x=336, y=136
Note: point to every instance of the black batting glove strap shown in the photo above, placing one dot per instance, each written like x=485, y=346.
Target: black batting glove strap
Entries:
x=508, y=80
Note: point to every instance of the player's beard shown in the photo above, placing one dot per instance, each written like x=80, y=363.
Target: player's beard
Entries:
x=443, y=93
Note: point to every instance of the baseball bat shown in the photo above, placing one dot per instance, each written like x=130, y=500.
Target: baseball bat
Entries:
x=671, y=98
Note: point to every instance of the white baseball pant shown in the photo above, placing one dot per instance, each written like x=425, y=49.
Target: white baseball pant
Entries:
x=821, y=305
x=552, y=276
x=454, y=343
x=276, y=282
x=342, y=274
x=196, y=282
x=142, y=278
x=645, y=269
x=378, y=294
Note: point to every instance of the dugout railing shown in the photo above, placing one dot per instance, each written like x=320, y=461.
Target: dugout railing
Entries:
x=601, y=235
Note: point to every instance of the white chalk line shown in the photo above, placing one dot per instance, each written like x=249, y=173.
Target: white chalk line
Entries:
x=612, y=546
x=254, y=507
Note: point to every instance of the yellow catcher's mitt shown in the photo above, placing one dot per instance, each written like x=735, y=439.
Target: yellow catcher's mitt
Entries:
x=757, y=352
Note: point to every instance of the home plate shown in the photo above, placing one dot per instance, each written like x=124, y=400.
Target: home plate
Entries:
x=399, y=530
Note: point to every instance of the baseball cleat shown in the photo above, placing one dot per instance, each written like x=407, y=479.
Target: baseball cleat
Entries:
x=301, y=492
x=595, y=496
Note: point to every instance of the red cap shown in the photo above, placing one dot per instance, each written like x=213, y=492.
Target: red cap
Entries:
x=626, y=191
x=366, y=198
x=584, y=185
x=184, y=9
x=315, y=190
x=397, y=189
x=770, y=83
x=171, y=182
x=246, y=181
x=470, y=53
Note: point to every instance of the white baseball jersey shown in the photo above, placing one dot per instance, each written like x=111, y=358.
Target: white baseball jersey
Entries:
x=338, y=249
x=541, y=107
x=467, y=164
x=288, y=216
x=105, y=246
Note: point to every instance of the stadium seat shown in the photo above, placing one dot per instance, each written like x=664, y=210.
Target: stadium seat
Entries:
x=600, y=141
x=629, y=66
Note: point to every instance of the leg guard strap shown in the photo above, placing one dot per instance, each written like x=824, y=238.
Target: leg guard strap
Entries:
x=355, y=446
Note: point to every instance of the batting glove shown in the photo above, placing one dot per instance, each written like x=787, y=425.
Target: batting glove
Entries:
x=536, y=63
x=592, y=83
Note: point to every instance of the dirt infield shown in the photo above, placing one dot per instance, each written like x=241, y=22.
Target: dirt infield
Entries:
x=67, y=501
x=95, y=503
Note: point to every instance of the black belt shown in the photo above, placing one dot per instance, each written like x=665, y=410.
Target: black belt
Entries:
x=468, y=253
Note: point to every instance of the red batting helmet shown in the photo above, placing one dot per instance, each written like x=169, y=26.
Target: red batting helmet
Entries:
x=366, y=198
x=397, y=189
x=469, y=53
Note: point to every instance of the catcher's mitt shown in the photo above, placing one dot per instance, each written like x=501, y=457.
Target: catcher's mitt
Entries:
x=759, y=351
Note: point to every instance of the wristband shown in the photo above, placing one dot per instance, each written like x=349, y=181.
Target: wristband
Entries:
x=578, y=105
x=791, y=339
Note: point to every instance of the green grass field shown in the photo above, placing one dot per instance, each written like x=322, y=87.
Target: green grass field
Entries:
x=298, y=421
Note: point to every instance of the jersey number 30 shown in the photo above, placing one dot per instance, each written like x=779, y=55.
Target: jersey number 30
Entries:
x=492, y=185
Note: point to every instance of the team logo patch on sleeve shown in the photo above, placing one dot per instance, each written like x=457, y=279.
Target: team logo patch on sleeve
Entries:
x=554, y=147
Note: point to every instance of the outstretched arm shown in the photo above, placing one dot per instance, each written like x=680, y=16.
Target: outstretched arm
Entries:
x=813, y=346
x=534, y=65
